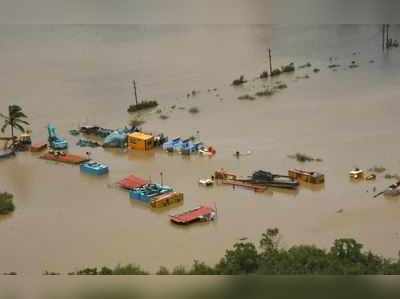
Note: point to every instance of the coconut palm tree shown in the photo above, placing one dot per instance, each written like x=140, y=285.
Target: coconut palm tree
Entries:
x=14, y=120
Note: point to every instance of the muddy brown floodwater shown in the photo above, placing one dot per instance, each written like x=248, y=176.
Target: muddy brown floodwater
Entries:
x=70, y=75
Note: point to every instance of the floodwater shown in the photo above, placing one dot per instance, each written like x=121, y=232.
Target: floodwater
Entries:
x=70, y=75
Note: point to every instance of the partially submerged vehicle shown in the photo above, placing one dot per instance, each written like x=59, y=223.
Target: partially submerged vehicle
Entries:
x=56, y=142
x=356, y=173
x=370, y=177
x=201, y=213
x=188, y=147
x=94, y=168
x=206, y=182
x=207, y=151
x=273, y=180
x=118, y=138
x=172, y=145
x=147, y=192
x=306, y=176
x=156, y=195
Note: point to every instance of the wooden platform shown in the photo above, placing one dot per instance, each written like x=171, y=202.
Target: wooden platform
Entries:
x=255, y=187
x=66, y=158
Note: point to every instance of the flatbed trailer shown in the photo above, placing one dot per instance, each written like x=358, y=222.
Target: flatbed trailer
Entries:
x=65, y=158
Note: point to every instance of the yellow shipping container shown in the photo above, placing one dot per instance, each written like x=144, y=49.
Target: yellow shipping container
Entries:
x=140, y=141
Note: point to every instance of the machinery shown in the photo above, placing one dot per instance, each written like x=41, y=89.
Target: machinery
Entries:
x=56, y=142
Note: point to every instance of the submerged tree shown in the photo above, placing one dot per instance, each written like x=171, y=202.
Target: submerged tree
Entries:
x=14, y=120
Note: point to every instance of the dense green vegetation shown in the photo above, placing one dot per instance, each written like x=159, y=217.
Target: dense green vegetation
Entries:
x=6, y=203
x=346, y=256
x=130, y=269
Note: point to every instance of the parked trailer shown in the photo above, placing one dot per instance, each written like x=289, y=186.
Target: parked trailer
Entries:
x=166, y=200
x=64, y=158
x=202, y=213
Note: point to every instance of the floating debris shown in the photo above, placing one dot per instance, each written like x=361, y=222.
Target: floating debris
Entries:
x=392, y=176
x=281, y=86
x=333, y=66
x=377, y=169
x=264, y=75
x=371, y=61
x=276, y=72
x=304, y=158
x=87, y=143
x=288, y=68
x=206, y=182
x=246, y=97
x=265, y=93
x=308, y=64
x=164, y=116
x=240, y=81
x=339, y=211
x=316, y=70
x=143, y=105
x=306, y=76
x=370, y=177
x=353, y=65
x=194, y=110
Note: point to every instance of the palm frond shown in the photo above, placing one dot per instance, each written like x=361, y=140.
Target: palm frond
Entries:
x=5, y=125
x=19, y=127
x=19, y=115
x=21, y=121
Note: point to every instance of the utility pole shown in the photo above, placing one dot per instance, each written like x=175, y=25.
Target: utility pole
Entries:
x=383, y=37
x=387, y=36
x=134, y=88
x=270, y=64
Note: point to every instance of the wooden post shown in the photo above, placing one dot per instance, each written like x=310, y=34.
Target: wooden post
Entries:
x=134, y=88
x=162, y=181
x=270, y=64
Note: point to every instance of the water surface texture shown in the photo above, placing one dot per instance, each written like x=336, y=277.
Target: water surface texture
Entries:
x=76, y=74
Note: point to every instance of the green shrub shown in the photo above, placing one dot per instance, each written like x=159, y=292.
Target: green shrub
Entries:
x=162, y=271
x=265, y=93
x=179, y=270
x=194, y=110
x=239, y=81
x=130, y=269
x=6, y=203
x=288, y=68
x=246, y=97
